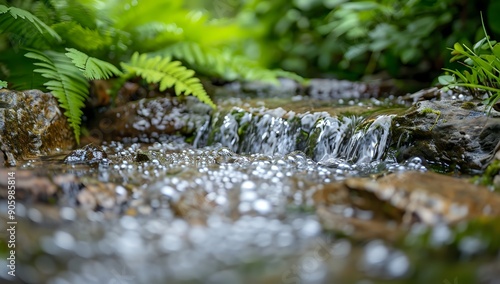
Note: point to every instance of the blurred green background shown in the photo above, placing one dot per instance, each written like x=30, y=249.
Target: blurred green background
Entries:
x=356, y=39
x=314, y=38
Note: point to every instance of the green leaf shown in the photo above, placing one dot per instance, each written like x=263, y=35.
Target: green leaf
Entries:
x=3, y=84
x=446, y=79
x=479, y=45
x=66, y=83
x=410, y=54
x=496, y=50
x=26, y=28
x=83, y=38
x=218, y=62
x=92, y=68
x=168, y=74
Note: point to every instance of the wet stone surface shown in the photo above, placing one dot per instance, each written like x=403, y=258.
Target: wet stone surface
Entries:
x=455, y=135
x=88, y=154
x=31, y=124
x=152, y=119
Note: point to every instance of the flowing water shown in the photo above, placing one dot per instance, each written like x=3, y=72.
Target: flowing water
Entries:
x=237, y=207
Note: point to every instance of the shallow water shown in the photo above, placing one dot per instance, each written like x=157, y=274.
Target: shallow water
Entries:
x=240, y=210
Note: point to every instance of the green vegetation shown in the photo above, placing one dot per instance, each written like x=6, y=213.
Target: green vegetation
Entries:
x=168, y=74
x=351, y=39
x=60, y=45
x=432, y=111
x=482, y=73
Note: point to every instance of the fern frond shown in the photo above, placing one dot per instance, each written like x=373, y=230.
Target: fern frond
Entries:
x=66, y=83
x=18, y=71
x=224, y=63
x=168, y=74
x=81, y=37
x=21, y=25
x=81, y=12
x=92, y=68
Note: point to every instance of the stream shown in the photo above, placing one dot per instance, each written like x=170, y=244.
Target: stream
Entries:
x=281, y=190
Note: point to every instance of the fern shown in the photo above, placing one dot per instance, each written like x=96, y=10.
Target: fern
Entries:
x=3, y=84
x=224, y=63
x=81, y=37
x=21, y=24
x=92, y=68
x=168, y=74
x=66, y=83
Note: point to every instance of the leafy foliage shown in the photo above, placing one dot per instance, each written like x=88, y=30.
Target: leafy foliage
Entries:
x=92, y=68
x=224, y=63
x=351, y=39
x=168, y=74
x=71, y=42
x=21, y=23
x=66, y=83
x=482, y=63
x=3, y=84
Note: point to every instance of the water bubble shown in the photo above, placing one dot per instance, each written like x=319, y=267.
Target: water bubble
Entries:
x=262, y=206
x=440, y=235
x=375, y=253
x=398, y=265
x=129, y=222
x=67, y=213
x=64, y=240
x=310, y=228
x=248, y=195
x=471, y=245
x=170, y=242
x=248, y=185
x=35, y=215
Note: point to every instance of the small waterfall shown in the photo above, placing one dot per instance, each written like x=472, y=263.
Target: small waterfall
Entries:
x=321, y=136
x=258, y=131
x=362, y=146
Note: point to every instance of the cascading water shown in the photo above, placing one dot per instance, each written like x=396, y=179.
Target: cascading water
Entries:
x=322, y=137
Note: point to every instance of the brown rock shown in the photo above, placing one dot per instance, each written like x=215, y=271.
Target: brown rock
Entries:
x=148, y=120
x=386, y=207
x=31, y=124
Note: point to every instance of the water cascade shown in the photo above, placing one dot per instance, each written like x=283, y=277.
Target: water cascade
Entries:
x=321, y=136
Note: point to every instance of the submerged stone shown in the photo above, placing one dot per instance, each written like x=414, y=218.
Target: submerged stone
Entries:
x=88, y=154
x=31, y=125
x=381, y=208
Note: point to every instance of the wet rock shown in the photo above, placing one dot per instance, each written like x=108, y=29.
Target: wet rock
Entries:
x=88, y=154
x=447, y=135
x=29, y=185
x=31, y=125
x=102, y=196
x=377, y=208
x=320, y=89
x=149, y=120
x=284, y=89
x=328, y=89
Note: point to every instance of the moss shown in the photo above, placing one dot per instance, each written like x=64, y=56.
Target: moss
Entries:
x=468, y=105
x=489, y=174
x=432, y=111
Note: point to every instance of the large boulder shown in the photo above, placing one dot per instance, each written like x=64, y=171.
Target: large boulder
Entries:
x=31, y=124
